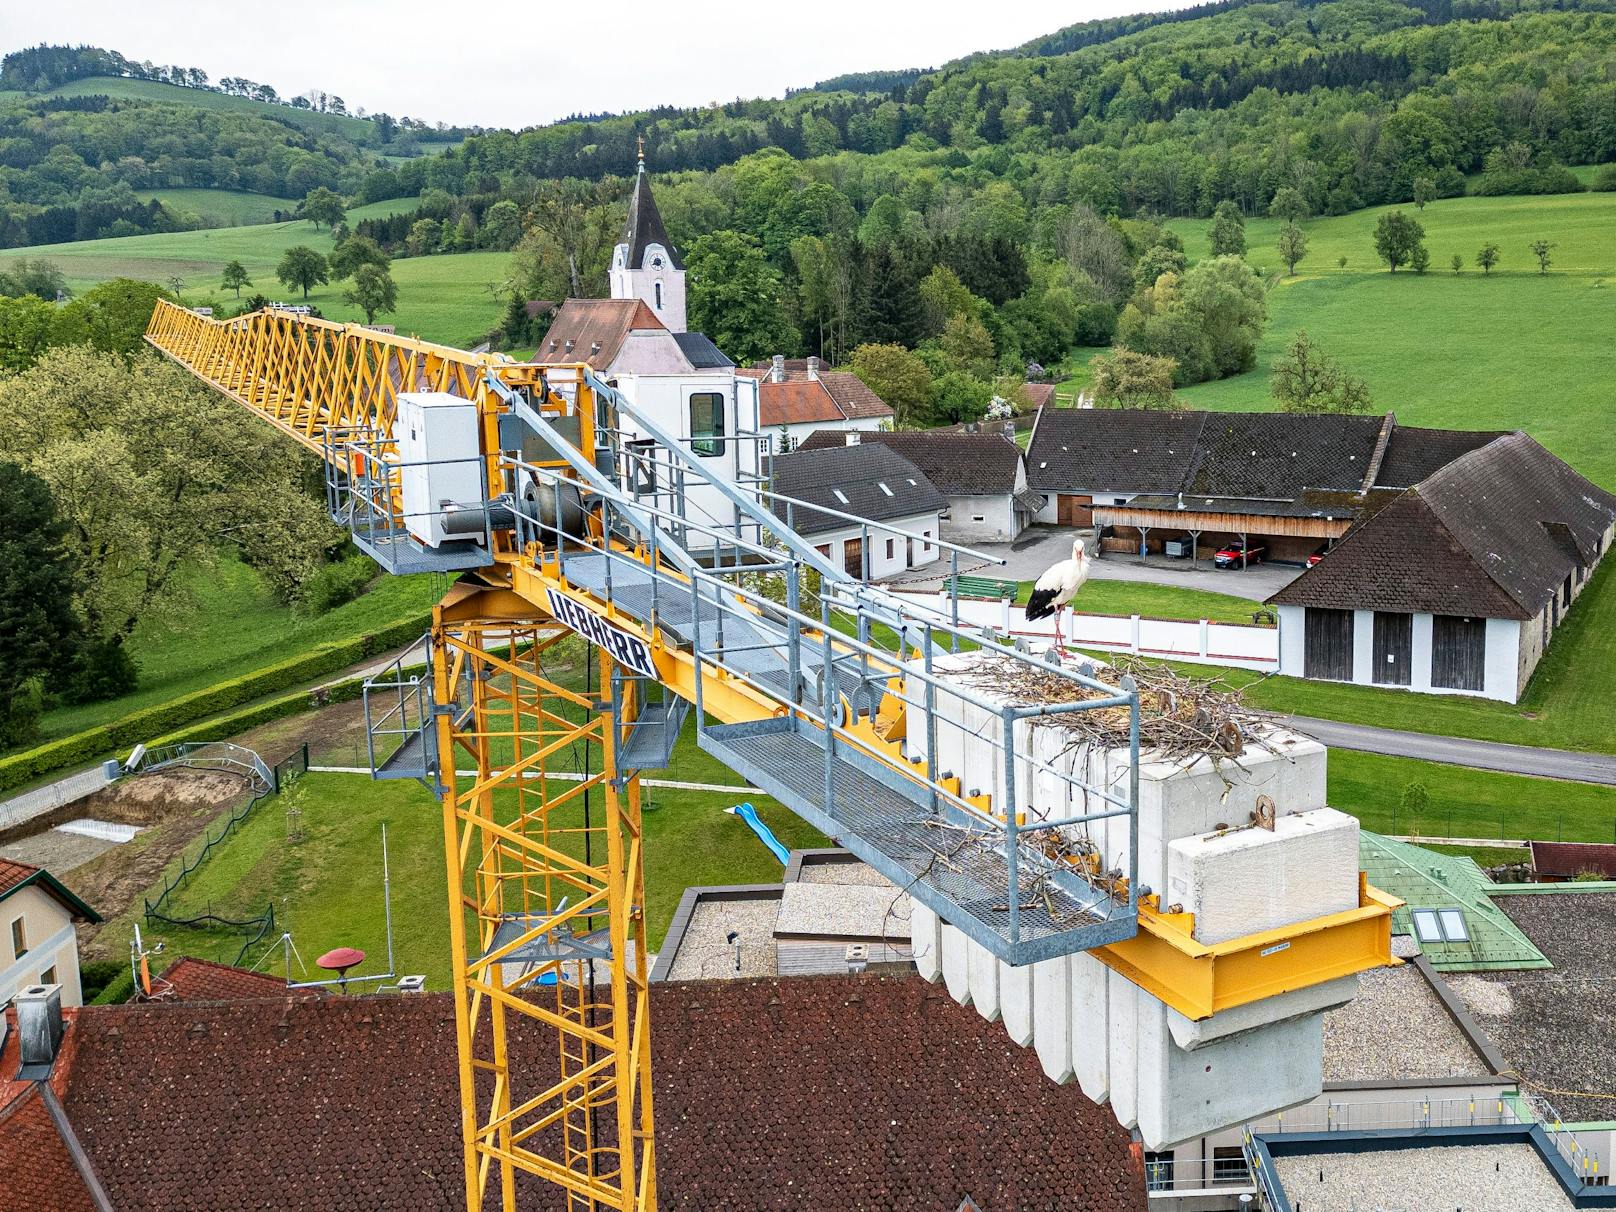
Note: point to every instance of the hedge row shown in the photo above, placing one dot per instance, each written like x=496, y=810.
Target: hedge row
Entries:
x=147, y=724
x=116, y=991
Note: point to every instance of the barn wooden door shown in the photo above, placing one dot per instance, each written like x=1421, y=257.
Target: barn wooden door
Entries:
x=853, y=557
x=1074, y=510
x=1458, y=652
x=1394, y=648
x=1327, y=644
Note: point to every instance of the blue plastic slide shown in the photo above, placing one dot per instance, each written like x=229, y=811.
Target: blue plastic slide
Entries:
x=749, y=814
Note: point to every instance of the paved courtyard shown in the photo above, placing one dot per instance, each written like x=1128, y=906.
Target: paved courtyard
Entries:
x=1040, y=546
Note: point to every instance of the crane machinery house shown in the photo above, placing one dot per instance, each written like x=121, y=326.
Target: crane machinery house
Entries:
x=685, y=385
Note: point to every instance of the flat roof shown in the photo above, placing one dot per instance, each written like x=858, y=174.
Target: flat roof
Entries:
x=1504, y=1177
x=1398, y=1029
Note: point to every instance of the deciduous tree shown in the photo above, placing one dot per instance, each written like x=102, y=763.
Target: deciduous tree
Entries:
x=1541, y=250
x=1228, y=231
x=1289, y=205
x=322, y=205
x=354, y=252
x=1396, y=238
x=235, y=277
x=1125, y=379
x=1292, y=246
x=1487, y=258
x=735, y=297
x=38, y=629
x=897, y=376
x=373, y=291
x=1306, y=379
x=301, y=268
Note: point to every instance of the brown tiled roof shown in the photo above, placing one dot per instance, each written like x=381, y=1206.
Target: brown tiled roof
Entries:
x=37, y=1170
x=833, y=1092
x=593, y=330
x=1414, y=453
x=831, y=395
x=197, y=980
x=1039, y=394
x=14, y=875
x=1570, y=859
x=1492, y=534
x=957, y=463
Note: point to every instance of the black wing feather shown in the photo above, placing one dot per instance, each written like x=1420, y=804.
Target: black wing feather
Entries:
x=1041, y=604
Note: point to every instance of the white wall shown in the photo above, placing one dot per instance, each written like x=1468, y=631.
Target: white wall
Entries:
x=641, y=282
x=1500, y=680
x=877, y=563
x=789, y=437
x=1049, y=515
x=50, y=941
x=998, y=514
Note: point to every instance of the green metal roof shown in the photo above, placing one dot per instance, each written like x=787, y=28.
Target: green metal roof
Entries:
x=1425, y=879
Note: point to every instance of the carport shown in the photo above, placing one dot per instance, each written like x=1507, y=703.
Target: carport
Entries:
x=1290, y=529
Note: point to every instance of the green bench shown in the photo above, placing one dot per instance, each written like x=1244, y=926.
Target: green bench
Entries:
x=991, y=588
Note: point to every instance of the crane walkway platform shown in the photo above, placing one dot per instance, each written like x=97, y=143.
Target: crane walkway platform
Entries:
x=932, y=851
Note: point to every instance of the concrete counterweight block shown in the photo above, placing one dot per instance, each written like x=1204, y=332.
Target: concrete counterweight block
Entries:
x=1091, y=1025
x=1016, y=1001
x=982, y=970
x=1052, y=1017
x=924, y=939
x=956, y=953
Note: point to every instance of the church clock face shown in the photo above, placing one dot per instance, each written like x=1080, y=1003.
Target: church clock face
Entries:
x=656, y=262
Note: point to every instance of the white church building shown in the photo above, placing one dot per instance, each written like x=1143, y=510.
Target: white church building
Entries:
x=638, y=340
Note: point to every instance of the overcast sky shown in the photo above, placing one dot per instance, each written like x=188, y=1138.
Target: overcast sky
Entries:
x=511, y=63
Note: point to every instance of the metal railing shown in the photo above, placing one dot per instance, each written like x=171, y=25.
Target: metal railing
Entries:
x=212, y=755
x=1194, y=1176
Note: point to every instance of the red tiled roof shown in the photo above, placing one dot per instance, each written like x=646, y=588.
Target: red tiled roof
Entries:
x=197, y=980
x=1571, y=859
x=1039, y=394
x=834, y=1092
x=38, y=1169
x=834, y=395
x=15, y=875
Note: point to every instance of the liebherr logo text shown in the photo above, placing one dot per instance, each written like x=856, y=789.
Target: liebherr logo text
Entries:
x=626, y=649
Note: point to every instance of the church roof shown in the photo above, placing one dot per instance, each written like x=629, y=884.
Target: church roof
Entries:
x=593, y=330
x=644, y=225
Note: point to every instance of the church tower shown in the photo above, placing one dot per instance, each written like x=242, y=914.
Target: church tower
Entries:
x=645, y=264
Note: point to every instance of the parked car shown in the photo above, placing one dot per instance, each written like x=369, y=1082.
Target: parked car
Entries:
x=1238, y=555
x=1315, y=557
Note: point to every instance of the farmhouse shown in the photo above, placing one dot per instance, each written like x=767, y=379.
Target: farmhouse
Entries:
x=870, y=481
x=982, y=474
x=799, y=396
x=1458, y=583
x=39, y=945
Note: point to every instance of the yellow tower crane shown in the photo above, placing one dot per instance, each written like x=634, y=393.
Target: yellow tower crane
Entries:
x=564, y=511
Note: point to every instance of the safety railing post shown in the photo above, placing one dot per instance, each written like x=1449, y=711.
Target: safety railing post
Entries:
x=1012, y=839
x=794, y=632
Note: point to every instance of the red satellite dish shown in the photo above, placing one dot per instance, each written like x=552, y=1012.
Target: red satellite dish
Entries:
x=340, y=960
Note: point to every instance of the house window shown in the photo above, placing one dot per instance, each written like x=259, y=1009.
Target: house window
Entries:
x=48, y=977
x=659, y=296
x=1229, y=1164
x=707, y=423
x=1565, y=591
x=823, y=549
x=926, y=534
x=891, y=550
x=19, y=938
x=1458, y=652
x=882, y=486
x=976, y=517
x=1159, y=1171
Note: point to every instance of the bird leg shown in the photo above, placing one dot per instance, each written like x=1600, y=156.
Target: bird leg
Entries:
x=1060, y=633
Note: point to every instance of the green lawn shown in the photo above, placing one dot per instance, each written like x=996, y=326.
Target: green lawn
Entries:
x=1468, y=803
x=1513, y=350
x=236, y=625
x=383, y=209
x=446, y=298
x=359, y=130
x=326, y=889
x=222, y=207
x=1157, y=601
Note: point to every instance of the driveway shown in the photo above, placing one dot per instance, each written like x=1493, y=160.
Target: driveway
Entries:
x=1040, y=546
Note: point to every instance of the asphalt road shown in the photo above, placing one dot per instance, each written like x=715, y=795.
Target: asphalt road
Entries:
x=1461, y=751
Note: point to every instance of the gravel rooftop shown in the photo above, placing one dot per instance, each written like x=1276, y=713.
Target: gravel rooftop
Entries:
x=1394, y=1030
x=705, y=954
x=857, y=911
x=1557, y=1026
x=844, y=874
x=1474, y=1178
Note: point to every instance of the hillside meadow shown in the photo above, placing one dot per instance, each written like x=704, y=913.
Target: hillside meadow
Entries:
x=1514, y=349
x=448, y=298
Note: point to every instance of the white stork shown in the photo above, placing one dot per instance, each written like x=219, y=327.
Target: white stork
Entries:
x=1055, y=590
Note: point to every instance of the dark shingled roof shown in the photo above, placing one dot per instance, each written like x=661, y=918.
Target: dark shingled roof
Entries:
x=700, y=350
x=810, y=1092
x=1556, y=1026
x=959, y=464
x=1415, y=453
x=1493, y=534
x=858, y=472
x=1570, y=859
x=1125, y=449
x=644, y=226
x=1275, y=456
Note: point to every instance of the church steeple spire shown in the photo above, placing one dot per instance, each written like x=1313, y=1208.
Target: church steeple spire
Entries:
x=645, y=264
x=641, y=141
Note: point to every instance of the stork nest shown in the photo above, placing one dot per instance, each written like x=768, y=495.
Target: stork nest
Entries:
x=1181, y=718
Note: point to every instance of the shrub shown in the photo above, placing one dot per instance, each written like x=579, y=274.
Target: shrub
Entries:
x=335, y=584
x=1605, y=180
x=96, y=975
x=117, y=990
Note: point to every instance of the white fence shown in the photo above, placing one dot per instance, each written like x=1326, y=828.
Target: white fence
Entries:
x=1239, y=644
x=45, y=799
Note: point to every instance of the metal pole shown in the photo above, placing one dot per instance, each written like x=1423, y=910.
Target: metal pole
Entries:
x=387, y=900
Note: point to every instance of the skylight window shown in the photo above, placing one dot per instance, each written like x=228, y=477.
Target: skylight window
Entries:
x=881, y=484
x=840, y=496
x=1440, y=926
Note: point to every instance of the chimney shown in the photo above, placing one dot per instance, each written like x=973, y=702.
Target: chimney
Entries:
x=852, y=437
x=777, y=372
x=813, y=367
x=569, y=345
x=39, y=1022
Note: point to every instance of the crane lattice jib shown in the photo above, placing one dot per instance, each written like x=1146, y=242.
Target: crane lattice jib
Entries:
x=699, y=598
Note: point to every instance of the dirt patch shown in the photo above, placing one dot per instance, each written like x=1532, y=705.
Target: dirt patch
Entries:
x=335, y=736
x=56, y=851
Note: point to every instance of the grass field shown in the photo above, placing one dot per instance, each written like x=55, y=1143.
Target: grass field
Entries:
x=382, y=209
x=1468, y=803
x=1512, y=350
x=359, y=130
x=222, y=207
x=326, y=889
x=1157, y=601
x=447, y=299
x=235, y=625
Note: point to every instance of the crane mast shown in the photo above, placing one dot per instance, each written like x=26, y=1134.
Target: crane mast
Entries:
x=565, y=511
